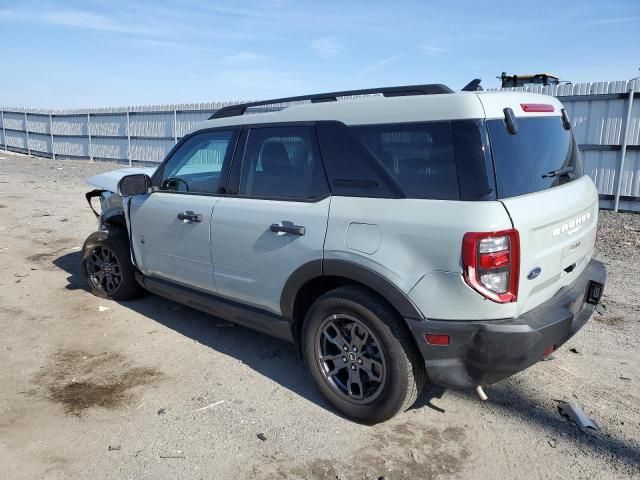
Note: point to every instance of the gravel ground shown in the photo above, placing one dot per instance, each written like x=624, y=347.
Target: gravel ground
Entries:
x=96, y=389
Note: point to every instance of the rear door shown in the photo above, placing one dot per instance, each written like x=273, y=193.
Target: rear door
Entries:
x=171, y=226
x=553, y=206
x=278, y=220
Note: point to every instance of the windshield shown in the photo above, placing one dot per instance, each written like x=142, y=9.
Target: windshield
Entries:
x=541, y=155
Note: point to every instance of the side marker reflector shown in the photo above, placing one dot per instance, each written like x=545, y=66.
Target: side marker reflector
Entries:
x=433, y=339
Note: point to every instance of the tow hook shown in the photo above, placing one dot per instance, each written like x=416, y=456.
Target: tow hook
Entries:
x=481, y=395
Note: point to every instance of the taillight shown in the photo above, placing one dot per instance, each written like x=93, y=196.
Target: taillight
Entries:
x=491, y=263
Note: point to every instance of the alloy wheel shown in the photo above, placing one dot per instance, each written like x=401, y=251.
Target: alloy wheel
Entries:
x=350, y=358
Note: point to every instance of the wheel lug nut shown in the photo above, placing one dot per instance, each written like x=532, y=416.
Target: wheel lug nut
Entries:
x=344, y=359
x=353, y=367
x=360, y=361
x=355, y=349
x=345, y=348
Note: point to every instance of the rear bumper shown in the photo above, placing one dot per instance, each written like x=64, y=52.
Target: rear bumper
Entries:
x=484, y=352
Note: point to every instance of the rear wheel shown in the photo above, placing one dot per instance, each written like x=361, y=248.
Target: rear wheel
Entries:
x=107, y=267
x=361, y=355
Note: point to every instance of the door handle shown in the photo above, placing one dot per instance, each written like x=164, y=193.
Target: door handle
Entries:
x=190, y=216
x=288, y=228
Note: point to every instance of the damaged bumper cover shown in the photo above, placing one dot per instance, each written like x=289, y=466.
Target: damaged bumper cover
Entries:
x=484, y=352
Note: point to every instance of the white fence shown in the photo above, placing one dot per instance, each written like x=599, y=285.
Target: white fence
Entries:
x=605, y=116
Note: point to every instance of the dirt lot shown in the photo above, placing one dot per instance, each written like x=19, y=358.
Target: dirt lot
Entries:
x=151, y=389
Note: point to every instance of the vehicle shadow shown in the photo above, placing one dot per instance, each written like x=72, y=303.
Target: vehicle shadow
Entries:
x=280, y=362
x=507, y=399
x=273, y=358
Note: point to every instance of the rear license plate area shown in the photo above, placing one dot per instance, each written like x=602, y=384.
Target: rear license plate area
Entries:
x=594, y=292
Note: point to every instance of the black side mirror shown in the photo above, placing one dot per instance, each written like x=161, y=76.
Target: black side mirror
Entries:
x=136, y=184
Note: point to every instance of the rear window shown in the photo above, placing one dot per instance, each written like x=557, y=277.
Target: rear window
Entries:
x=431, y=160
x=541, y=155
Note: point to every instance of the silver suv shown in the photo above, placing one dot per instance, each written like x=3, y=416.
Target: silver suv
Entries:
x=417, y=234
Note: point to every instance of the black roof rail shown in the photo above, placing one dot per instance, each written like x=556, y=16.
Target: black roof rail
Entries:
x=427, y=89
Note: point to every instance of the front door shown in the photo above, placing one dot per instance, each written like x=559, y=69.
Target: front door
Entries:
x=278, y=220
x=172, y=225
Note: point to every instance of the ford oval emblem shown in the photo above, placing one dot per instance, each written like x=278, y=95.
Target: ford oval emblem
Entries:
x=534, y=273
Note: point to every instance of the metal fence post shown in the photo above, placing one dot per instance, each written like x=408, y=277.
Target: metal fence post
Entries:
x=128, y=138
x=26, y=129
x=623, y=149
x=89, y=135
x=53, y=148
x=4, y=132
x=175, y=125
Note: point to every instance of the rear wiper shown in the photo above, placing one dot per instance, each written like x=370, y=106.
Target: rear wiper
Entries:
x=558, y=172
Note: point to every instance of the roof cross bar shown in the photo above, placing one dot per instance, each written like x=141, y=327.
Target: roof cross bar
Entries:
x=427, y=89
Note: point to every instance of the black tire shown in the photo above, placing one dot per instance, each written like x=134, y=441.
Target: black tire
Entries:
x=385, y=389
x=115, y=278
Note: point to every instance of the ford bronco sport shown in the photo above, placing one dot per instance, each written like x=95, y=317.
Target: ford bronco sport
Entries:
x=417, y=235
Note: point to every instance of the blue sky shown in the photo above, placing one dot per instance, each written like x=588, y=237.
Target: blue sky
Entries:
x=118, y=52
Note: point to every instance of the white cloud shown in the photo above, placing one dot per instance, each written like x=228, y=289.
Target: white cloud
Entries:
x=381, y=63
x=243, y=57
x=83, y=20
x=433, y=50
x=327, y=47
x=610, y=21
x=252, y=83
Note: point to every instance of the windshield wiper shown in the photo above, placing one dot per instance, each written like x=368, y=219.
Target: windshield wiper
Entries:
x=558, y=172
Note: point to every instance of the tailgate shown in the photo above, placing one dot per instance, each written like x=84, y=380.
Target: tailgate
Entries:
x=557, y=230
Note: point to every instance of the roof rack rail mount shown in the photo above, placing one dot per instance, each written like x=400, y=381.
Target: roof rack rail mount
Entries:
x=427, y=89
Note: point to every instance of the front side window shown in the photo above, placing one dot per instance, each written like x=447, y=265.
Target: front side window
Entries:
x=196, y=166
x=282, y=162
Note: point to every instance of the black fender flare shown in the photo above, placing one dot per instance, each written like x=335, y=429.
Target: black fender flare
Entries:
x=350, y=271
x=99, y=235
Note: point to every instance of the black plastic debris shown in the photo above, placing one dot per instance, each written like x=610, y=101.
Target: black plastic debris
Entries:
x=574, y=350
x=575, y=414
x=262, y=436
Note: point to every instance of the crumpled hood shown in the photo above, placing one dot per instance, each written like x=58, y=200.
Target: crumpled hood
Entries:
x=109, y=180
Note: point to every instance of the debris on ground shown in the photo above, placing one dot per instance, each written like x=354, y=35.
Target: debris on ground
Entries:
x=262, y=436
x=601, y=309
x=114, y=447
x=626, y=379
x=162, y=411
x=574, y=350
x=209, y=406
x=575, y=414
x=548, y=358
x=103, y=309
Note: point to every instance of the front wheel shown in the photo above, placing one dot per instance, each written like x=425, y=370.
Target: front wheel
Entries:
x=360, y=355
x=107, y=268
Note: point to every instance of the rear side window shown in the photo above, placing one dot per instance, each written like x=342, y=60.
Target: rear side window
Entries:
x=282, y=162
x=541, y=155
x=419, y=156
